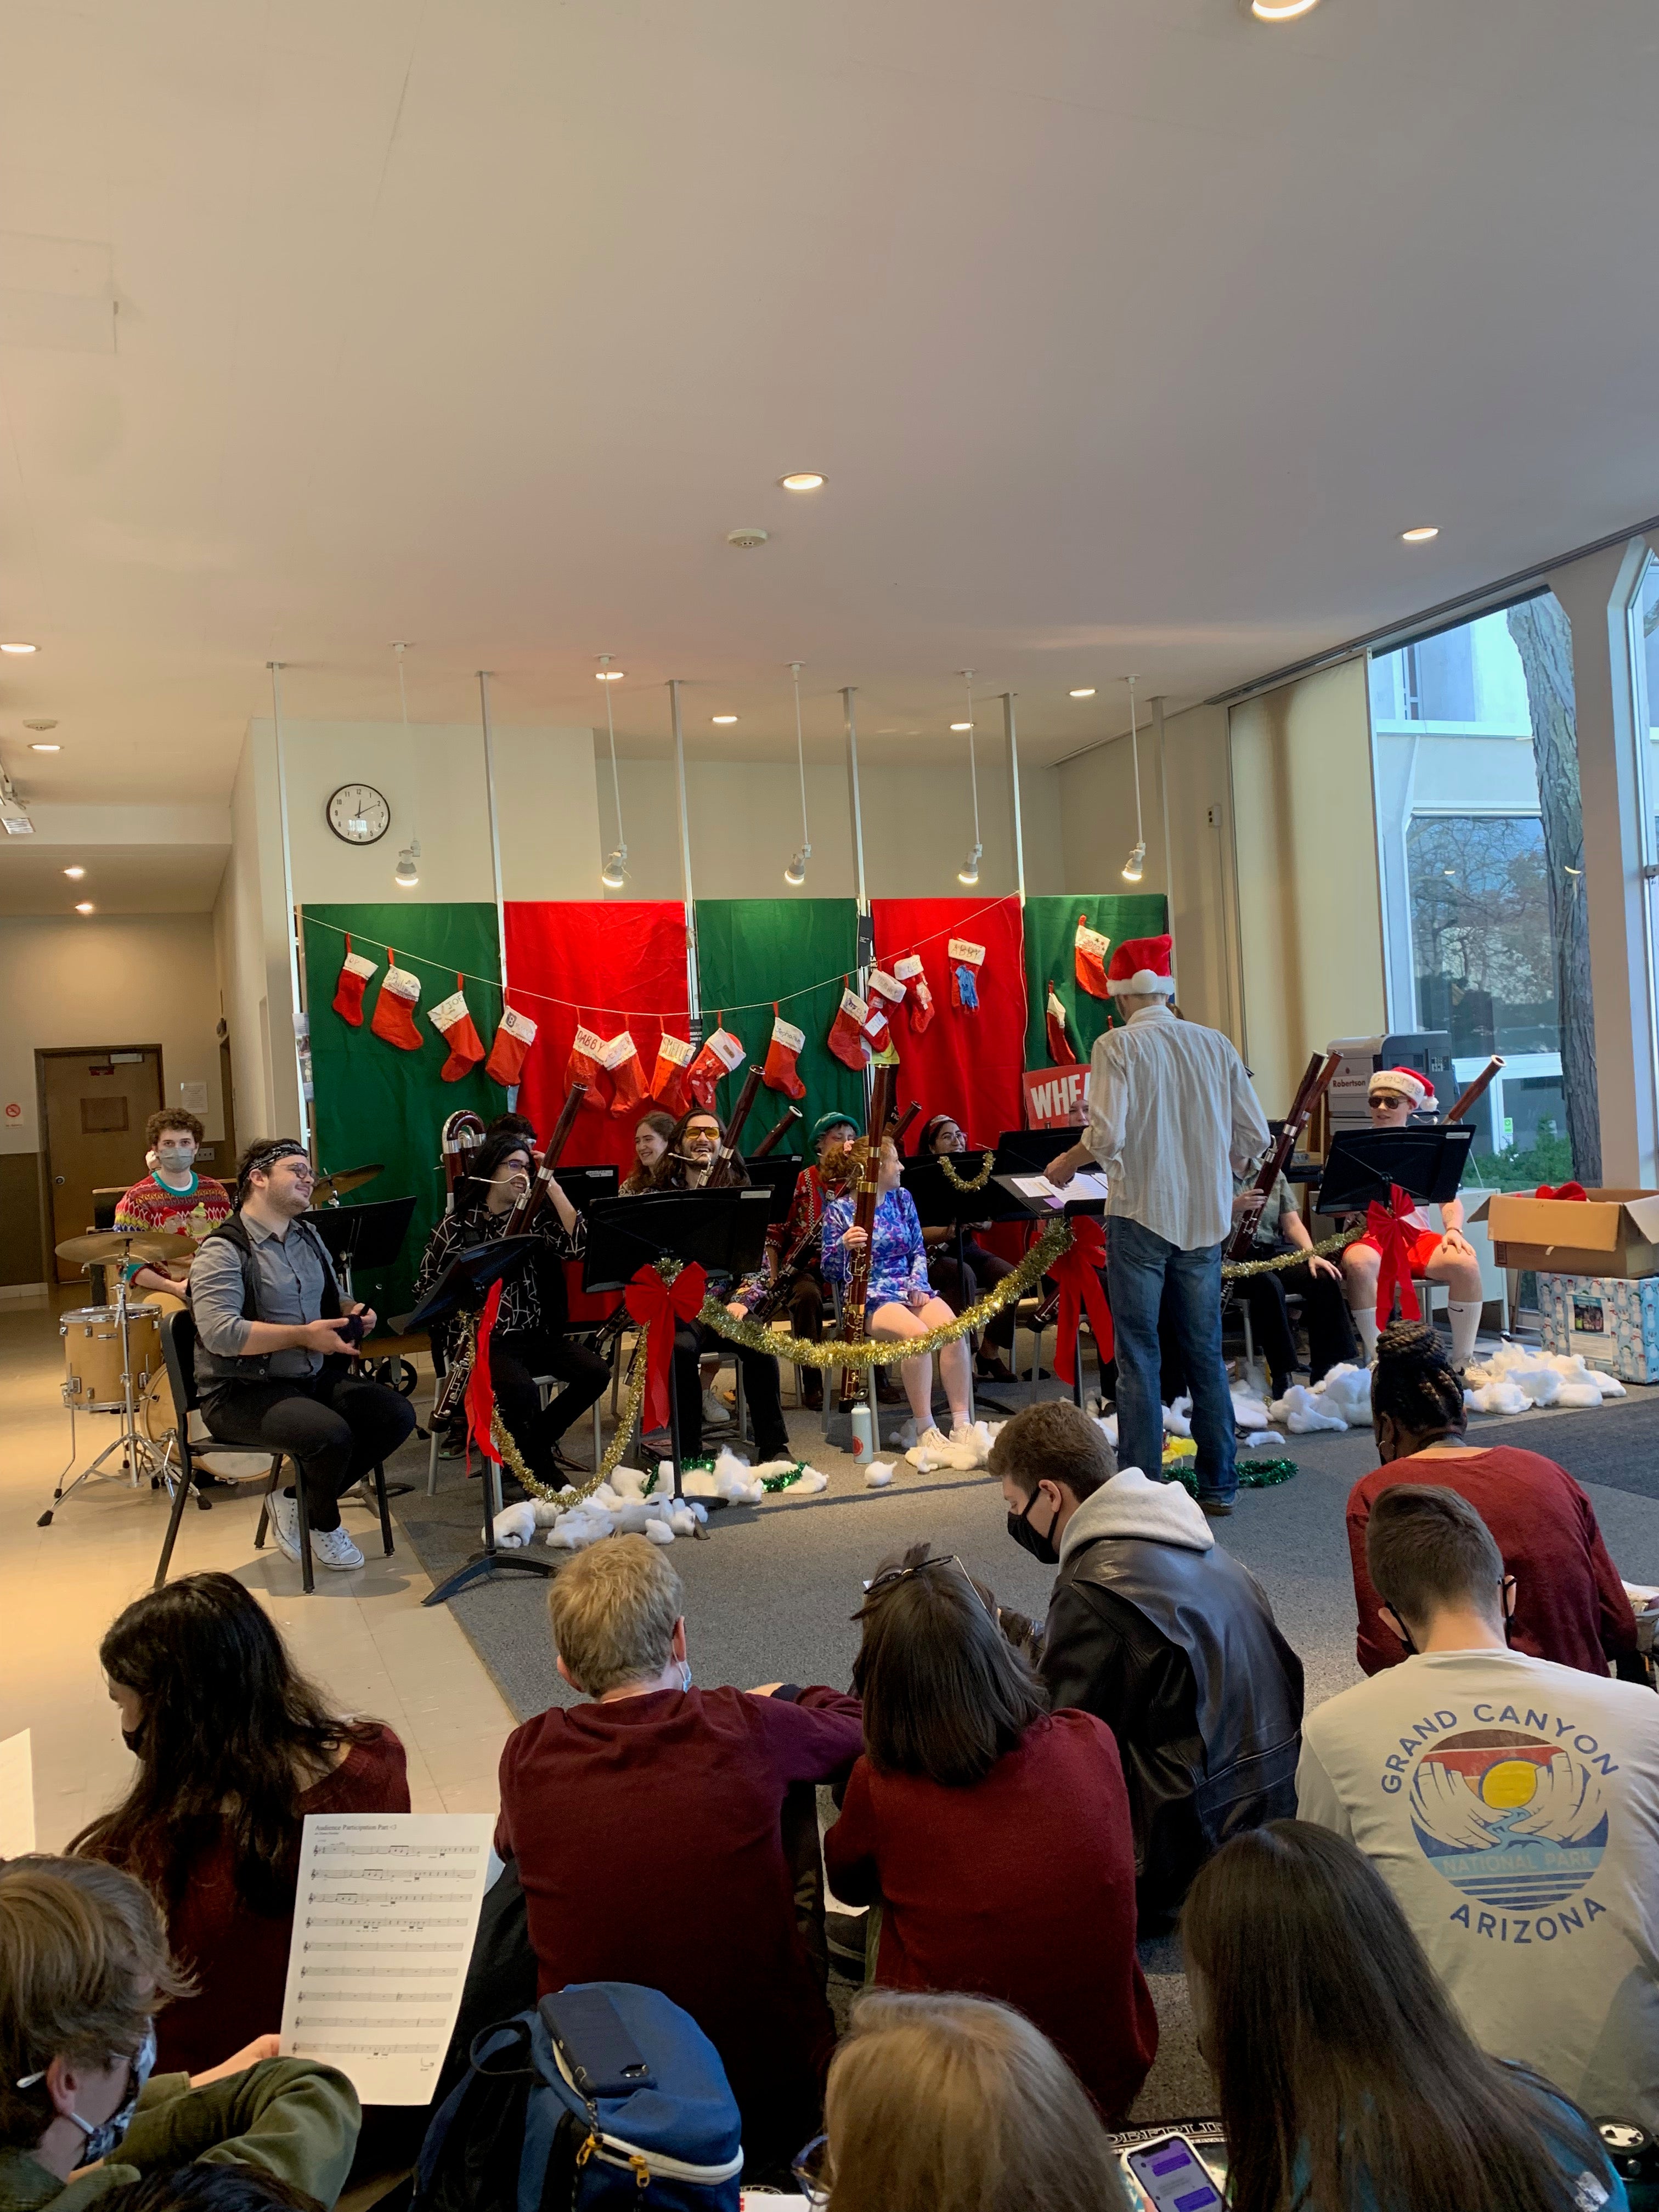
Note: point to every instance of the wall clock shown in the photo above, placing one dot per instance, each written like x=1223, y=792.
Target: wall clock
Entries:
x=358, y=814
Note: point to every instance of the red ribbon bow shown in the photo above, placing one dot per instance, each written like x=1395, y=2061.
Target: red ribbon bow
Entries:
x=657, y=1305
x=1384, y=1228
x=1566, y=1190
x=1077, y=1271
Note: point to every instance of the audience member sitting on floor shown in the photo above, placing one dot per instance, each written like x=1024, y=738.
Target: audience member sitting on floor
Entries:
x=646, y=1824
x=1347, y=2077
x=234, y=1748
x=966, y=1783
x=84, y=1966
x=955, y=2104
x=1570, y=1604
x=1511, y=1805
x=1158, y=1631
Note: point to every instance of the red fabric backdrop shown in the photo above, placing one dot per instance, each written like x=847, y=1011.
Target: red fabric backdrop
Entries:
x=966, y=1065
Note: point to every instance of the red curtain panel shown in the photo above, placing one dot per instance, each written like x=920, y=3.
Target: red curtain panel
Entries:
x=965, y=1065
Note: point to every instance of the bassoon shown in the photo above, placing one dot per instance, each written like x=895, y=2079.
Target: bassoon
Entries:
x=865, y=1164
x=1478, y=1089
x=722, y=1171
x=898, y=1124
x=1315, y=1081
x=774, y=1137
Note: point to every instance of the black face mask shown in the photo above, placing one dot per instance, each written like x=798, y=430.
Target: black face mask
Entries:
x=133, y=1738
x=1041, y=1548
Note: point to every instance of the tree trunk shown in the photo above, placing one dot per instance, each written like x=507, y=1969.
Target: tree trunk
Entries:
x=1544, y=640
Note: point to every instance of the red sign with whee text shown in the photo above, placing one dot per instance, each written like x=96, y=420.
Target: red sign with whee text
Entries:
x=1056, y=1097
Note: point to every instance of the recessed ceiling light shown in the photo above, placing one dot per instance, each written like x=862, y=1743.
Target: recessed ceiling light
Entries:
x=608, y=675
x=75, y=873
x=962, y=725
x=1087, y=692
x=723, y=718
x=37, y=747
x=86, y=907
x=803, y=480
x=1419, y=536
x=41, y=725
x=19, y=647
x=1277, y=11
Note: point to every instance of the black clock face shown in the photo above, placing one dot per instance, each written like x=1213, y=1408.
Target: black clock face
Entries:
x=359, y=814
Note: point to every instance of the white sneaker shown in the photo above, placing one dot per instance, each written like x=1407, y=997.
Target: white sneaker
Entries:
x=931, y=1445
x=332, y=1547
x=714, y=1409
x=285, y=1522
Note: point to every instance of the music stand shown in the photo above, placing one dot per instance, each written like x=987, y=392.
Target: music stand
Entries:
x=939, y=1202
x=1028, y=1151
x=1364, y=1164
x=581, y=1186
x=369, y=1237
x=723, y=1231
x=464, y=1285
x=779, y=1177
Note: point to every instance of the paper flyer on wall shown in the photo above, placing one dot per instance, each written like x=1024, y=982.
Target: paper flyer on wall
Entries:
x=16, y=1796
x=383, y=1922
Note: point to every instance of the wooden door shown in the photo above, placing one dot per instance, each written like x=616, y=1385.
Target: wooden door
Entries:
x=95, y=1105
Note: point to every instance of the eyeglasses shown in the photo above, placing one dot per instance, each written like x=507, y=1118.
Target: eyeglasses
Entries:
x=811, y=2168
x=890, y=1578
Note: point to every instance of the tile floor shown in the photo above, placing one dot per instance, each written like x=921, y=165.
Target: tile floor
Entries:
x=364, y=1637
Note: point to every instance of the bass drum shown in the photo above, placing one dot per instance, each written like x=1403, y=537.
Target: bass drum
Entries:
x=93, y=1355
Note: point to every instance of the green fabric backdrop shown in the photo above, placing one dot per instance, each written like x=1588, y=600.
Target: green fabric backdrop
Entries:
x=1050, y=935
x=752, y=950
x=375, y=1102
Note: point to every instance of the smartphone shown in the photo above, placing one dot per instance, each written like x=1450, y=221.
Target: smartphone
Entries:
x=603, y=2057
x=1172, y=2176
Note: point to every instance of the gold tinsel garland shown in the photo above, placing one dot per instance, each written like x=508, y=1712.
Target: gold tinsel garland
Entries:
x=513, y=1458
x=987, y=1161
x=1239, y=1271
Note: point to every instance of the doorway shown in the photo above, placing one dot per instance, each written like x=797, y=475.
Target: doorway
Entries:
x=94, y=1102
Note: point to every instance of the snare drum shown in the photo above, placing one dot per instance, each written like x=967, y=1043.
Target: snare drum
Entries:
x=92, y=1356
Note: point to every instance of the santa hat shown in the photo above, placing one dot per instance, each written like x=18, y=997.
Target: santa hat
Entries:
x=1140, y=967
x=1400, y=1082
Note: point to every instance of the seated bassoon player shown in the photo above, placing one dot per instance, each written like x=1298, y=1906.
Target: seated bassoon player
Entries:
x=1393, y=1095
x=979, y=1271
x=527, y=1338
x=171, y=1198
x=687, y=1165
x=833, y=1136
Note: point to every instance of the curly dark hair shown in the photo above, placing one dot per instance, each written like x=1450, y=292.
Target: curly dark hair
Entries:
x=1414, y=1383
x=229, y=1726
x=172, y=1117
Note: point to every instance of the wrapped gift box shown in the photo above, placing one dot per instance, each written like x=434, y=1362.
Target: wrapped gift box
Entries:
x=1613, y=1320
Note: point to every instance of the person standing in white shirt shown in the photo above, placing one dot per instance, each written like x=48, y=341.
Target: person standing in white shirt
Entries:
x=1511, y=1805
x=1171, y=1116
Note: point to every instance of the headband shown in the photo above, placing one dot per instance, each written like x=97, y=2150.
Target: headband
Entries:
x=280, y=1148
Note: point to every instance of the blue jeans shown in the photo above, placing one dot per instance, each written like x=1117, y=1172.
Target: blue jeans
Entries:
x=1139, y=1266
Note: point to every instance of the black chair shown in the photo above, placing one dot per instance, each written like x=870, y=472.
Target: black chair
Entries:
x=179, y=1350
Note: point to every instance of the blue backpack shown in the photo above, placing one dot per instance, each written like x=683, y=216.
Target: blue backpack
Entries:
x=517, y=2135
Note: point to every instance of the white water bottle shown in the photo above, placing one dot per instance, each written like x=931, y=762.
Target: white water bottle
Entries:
x=864, y=1432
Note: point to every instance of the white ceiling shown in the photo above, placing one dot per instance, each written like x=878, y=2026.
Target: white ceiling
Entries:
x=1130, y=335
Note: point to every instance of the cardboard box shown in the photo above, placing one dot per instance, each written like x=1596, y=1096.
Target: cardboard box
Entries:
x=1613, y=1320
x=1615, y=1233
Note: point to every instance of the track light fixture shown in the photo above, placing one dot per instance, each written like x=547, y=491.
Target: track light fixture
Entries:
x=407, y=873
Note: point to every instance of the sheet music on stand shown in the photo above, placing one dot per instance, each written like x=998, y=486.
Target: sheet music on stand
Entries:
x=17, y=1798
x=383, y=1923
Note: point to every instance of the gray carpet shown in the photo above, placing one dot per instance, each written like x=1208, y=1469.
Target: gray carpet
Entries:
x=768, y=1596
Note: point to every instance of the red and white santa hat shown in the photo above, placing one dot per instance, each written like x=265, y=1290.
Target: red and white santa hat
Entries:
x=1400, y=1082
x=1140, y=967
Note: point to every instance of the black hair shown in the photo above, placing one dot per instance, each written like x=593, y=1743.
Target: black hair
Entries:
x=1414, y=1383
x=261, y=1155
x=485, y=1163
x=514, y=1124
x=207, y=2189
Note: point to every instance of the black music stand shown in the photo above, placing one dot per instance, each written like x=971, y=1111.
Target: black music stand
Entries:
x=723, y=1231
x=581, y=1186
x=1365, y=1163
x=938, y=1202
x=1028, y=1151
x=779, y=1177
x=463, y=1287
x=367, y=1237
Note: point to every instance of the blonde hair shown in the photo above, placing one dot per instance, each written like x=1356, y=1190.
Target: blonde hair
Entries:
x=957, y=2104
x=613, y=1611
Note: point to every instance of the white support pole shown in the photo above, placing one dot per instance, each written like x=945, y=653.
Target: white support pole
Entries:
x=848, y=694
x=1013, y=793
x=290, y=923
x=494, y=826
x=693, y=986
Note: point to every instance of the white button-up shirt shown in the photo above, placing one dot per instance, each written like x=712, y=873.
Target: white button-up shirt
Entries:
x=1171, y=1115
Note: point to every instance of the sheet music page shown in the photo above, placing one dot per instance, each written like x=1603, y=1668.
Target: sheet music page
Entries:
x=383, y=1923
x=16, y=1796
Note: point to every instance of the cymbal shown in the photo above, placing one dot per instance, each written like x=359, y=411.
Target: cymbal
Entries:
x=125, y=1244
x=329, y=1187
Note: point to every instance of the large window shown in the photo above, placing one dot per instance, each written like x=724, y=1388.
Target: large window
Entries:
x=1474, y=742
x=1644, y=641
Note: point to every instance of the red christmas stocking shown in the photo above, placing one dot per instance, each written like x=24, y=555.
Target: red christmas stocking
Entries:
x=513, y=1039
x=623, y=1067
x=587, y=1065
x=966, y=961
x=394, y=1009
x=354, y=972
x=668, y=1077
x=1059, y=1045
x=909, y=970
x=1090, y=959
x=846, y=1038
x=454, y=1026
x=721, y=1054
x=779, y=1073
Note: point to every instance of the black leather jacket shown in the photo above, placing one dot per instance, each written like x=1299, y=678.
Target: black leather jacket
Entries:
x=1177, y=1651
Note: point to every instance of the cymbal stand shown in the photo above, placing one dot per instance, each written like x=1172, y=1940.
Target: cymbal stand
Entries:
x=142, y=1456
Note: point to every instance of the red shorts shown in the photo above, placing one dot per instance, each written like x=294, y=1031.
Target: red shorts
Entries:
x=1421, y=1245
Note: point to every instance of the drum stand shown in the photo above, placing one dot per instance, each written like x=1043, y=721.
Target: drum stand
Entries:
x=142, y=1457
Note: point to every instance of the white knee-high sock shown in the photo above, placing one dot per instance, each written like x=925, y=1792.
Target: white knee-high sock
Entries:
x=1465, y=1317
x=1364, y=1319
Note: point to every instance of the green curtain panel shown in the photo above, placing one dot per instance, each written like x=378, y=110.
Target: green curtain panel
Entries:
x=1050, y=934
x=375, y=1102
x=750, y=951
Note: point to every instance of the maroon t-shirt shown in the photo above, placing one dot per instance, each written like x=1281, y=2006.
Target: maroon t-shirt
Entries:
x=238, y=1956
x=1021, y=1887
x=648, y=1834
x=1570, y=1604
